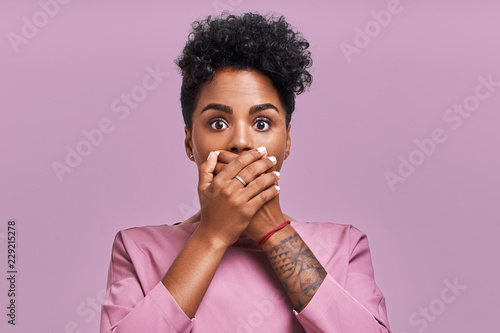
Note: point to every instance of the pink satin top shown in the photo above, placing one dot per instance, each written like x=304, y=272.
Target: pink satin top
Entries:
x=245, y=294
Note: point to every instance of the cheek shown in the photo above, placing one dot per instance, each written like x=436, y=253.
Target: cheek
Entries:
x=199, y=137
x=276, y=145
x=203, y=144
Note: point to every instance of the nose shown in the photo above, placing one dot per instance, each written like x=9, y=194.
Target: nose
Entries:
x=241, y=138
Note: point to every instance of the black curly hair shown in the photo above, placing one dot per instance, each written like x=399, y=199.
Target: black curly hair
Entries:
x=250, y=41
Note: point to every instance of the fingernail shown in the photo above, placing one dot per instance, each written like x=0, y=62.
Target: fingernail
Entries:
x=261, y=149
x=272, y=159
x=217, y=152
x=277, y=174
x=277, y=188
x=209, y=156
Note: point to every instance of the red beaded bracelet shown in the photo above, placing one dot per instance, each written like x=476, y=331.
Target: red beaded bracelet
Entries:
x=270, y=233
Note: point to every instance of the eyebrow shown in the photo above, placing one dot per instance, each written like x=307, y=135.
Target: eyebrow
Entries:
x=229, y=110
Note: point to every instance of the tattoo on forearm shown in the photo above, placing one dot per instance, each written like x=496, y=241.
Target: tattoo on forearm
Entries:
x=298, y=269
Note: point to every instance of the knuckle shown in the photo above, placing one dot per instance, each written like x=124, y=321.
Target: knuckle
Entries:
x=252, y=169
x=217, y=182
x=239, y=200
x=254, y=153
x=259, y=182
x=264, y=196
x=247, y=211
x=226, y=191
x=238, y=162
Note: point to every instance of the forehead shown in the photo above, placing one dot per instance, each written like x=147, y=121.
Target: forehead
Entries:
x=238, y=88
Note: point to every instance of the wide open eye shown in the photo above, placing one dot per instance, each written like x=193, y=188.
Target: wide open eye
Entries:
x=262, y=124
x=218, y=124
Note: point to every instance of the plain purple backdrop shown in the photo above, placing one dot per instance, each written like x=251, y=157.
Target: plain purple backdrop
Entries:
x=381, y=84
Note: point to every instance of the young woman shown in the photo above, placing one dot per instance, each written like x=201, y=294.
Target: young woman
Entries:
x=240, y=264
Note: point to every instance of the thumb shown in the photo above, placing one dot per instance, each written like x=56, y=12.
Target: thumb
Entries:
x=207, y=169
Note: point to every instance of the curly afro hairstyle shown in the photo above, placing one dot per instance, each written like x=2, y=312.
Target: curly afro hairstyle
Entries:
x=250, y=41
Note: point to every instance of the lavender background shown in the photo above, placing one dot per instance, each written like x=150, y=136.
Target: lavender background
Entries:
x=363, y=112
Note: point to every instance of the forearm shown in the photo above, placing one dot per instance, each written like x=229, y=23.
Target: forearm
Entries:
x=295, y=265
x=191, y=273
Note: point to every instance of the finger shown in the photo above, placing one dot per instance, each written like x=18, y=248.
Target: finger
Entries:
x=206, y=170
x=227, y=156
x=261, y=183
x=255, y=169
x=265, y=196
x=273, y=169
x=224, y=158
x=219, y=167
x=243, y=160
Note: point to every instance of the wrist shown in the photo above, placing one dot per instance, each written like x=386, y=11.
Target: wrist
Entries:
x=272, y=232
x=278, y=237
x=208, y=241
x=265, y=219
x=259, y=228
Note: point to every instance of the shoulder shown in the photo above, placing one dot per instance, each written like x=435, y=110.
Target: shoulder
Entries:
x=151, y=236
x=327, y=238
x=321, y=229
x=146, y=231
x=320, y=225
